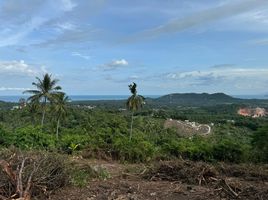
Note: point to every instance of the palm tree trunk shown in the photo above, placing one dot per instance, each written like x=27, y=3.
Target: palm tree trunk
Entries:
x=58, y=125
x=44, y=112
x=131, y=126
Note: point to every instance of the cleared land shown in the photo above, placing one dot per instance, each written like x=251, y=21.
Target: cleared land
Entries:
x=171, y=180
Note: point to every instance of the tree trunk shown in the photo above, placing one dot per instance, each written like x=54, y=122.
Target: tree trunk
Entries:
x=58, y=125
x=44, y=112
x=131, y=126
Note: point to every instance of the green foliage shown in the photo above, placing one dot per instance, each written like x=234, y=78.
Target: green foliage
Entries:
x=228, y=150
x=192, y=148
x=135, y=150
x=31, y=137
x=105, y=132
x=260, y=143
x=73, y=142
x=80, y=176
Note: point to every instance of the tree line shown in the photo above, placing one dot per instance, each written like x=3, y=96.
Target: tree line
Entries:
x=48, y=92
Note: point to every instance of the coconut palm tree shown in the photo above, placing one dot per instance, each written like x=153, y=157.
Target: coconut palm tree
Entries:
x=46, y=91
x=60, y=108
x=134, y=103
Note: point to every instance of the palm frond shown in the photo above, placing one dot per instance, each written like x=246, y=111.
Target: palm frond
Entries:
x=31, y=91
x=57, y=88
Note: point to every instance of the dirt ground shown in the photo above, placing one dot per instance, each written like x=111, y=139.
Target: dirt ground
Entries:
x=176, y=180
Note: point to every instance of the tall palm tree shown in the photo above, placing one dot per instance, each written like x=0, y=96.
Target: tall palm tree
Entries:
x=46, y=91
x=134, y=103
x=60, y=108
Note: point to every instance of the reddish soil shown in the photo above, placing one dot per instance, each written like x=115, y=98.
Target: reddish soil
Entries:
x=178, y=180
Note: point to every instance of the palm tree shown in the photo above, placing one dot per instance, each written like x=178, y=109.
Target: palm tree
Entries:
x=60, y=108
x=46, y=91
x=134, y=103
x=33, y=107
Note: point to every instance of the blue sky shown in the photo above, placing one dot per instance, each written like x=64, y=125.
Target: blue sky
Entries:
x=100, y=46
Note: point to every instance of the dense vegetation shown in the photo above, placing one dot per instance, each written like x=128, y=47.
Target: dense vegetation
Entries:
x=107, y=130
x=105, y=133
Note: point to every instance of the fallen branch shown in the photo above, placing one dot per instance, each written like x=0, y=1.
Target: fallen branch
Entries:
x=31, y=174
x=230, y=189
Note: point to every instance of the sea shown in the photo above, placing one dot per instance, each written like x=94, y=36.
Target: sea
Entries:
x=251, y=96
x=16, y=98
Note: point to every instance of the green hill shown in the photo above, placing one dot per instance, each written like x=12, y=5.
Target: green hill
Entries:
x=194, y=99
x=180, y=99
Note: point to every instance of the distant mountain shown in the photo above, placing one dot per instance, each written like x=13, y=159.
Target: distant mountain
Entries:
x=203, y=99
x=181, y=99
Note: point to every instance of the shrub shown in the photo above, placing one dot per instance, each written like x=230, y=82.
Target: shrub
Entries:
x=31, y=137
x=195, y=148
x=260, y=144
x=81, y=174
x=4, y=136
x=72, y=142
x=228, y=150
x=135, y=150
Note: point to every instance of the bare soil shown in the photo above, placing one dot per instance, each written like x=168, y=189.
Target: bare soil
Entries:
x=173, y=180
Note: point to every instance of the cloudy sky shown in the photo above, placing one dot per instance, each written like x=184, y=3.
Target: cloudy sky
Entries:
x=100, y=46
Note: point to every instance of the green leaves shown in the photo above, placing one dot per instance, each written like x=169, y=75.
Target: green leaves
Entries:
x=135, y=101
x=260, y=143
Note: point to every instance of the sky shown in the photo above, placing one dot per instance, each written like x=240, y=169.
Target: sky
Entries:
x=97, y=47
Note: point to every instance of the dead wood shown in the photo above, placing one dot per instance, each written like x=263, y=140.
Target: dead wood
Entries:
x=27, y=174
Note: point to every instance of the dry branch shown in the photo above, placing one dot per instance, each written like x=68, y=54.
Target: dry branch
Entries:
x=31, y=173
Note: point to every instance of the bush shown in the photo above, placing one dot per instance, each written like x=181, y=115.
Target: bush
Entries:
x=5, y=138
x=228, y=150
x=31, y=137
x=135, y=150
x=195, y=148
x=260, y=144
x=73, y=142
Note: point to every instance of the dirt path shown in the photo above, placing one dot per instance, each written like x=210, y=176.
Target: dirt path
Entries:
x=127, y=182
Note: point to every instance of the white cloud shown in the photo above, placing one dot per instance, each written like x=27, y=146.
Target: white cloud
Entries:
x=86, y=57
x=262, y=42
x=9, y=38
x=228, y=73
x=252, y=21
x=19, y=68
x=223, y=11
x=134, y=77
x=68, y=5
x=115, y=64
x=229, y=76
x=66, y=26
x=19, y=19
x=121, y=62
x=13, y=89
